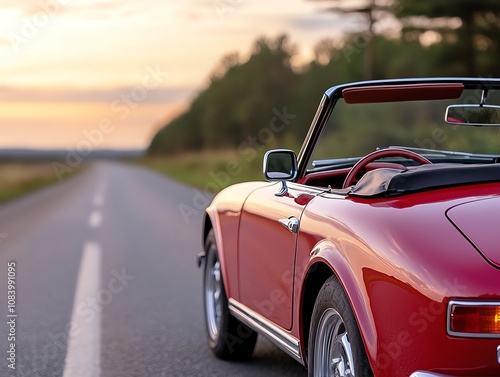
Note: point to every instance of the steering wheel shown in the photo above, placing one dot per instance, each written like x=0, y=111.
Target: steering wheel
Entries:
x=382, y=153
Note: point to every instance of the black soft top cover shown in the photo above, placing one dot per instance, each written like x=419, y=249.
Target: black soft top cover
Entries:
x=392, y=182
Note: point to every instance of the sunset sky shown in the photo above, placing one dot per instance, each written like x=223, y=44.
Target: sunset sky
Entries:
x=67, y=66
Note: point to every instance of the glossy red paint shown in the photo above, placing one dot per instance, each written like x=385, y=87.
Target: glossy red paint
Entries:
x=266, y=258
x=399, y=267
x=224, y=214
x=400, y=260
x=397, y=93
x=483, y=231
x=399, y=283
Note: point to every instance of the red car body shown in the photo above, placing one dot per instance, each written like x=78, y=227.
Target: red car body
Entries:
x=402, y=260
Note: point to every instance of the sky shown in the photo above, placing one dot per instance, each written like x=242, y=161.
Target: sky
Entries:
x=113, y=71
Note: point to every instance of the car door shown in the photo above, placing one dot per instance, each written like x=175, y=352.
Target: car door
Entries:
x=266, y=250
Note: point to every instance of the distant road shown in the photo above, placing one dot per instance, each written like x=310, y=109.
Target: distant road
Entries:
x=109, y=252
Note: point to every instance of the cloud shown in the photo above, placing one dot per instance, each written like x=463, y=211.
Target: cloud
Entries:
x=87, y=9
x=154, y=96
x=98, y=9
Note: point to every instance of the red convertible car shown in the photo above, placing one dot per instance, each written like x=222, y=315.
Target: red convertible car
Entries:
x=375, y=259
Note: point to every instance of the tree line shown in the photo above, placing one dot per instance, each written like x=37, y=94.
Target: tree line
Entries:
x=445, y=38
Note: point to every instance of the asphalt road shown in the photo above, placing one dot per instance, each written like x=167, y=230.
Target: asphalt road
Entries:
x=109, y=252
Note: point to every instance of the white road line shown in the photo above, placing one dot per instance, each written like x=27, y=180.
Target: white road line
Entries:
x=84, y=342
x=95, y=219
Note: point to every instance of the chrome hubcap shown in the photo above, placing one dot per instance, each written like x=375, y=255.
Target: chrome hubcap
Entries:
x=332, y=349
x=213, y=294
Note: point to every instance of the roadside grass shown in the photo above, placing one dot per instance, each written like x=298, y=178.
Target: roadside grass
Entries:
x=212, y=171
x=19, y=178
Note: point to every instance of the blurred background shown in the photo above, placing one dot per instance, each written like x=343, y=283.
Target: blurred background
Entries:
x=198, y=91
x=191, y=85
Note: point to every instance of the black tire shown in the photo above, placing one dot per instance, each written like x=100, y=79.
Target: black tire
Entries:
x=332, y=332
x=228, y=338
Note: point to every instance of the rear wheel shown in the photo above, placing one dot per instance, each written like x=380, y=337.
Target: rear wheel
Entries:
x=228, y=338
x=335, y=345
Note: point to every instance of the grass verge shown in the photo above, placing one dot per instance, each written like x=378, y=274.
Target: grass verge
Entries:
x=211, y=171
x=20, y=178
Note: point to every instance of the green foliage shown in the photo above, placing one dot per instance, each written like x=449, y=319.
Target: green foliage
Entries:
x=474, y=40
x=243, y=97
x=238, y=103
x=447, y=8
x=19, y=178
x=208, y=171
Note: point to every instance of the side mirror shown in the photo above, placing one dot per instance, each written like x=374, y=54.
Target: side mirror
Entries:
x=280, y=165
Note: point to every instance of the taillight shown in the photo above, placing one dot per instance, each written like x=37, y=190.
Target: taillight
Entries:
x=474, y=319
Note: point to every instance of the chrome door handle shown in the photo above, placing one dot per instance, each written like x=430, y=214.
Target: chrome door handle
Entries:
x=292, y=224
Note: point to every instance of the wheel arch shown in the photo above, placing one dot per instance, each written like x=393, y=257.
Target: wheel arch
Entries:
x=207, y=225
x=315, y=277
x=211, y=221
x=326, y=263
x=223, y=216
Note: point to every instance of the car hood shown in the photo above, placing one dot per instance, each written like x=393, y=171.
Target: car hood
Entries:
x=479, y=222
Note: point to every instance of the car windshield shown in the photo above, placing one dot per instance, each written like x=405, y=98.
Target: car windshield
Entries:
x=355, y=130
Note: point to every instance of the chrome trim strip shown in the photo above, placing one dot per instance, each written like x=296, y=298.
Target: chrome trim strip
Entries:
x=285, y=341
x=498, y=354
x=427, y=374
x=468, y=303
